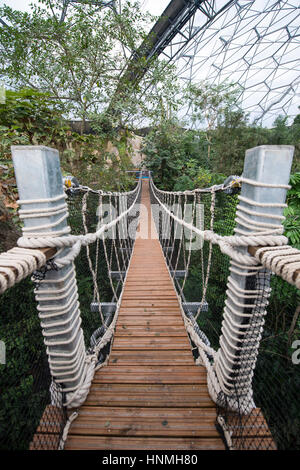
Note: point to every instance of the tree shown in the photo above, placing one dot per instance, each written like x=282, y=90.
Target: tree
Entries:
x=78, y=61
x=208, y=104
x=230, y=140
x=164, y=150
x=31, y=114
x=284, y=134
x=281, y=134
x=177, y=157
x=292, y=212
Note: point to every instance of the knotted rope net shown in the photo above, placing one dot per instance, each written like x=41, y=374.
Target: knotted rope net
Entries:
x=242, y=332
x=34, y=407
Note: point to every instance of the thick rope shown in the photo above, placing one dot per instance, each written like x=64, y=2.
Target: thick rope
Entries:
x=74, y=242
x=17, y=264
x=284, y=261
x=237, y=330
x=227, y=244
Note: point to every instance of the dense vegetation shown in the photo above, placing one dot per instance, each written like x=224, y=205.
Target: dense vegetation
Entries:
x=179, y=161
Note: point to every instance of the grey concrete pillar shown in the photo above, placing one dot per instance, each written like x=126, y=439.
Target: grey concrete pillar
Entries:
x=44, y=212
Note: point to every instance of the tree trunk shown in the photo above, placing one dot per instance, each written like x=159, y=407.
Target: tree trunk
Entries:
x=9, y=233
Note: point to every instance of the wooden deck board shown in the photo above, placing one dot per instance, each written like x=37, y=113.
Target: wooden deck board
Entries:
x=155, y=358
x=151, y=395
x=141, y=421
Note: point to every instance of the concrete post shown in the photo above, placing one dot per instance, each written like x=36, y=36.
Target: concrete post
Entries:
x=44, y=212
x=246, y=301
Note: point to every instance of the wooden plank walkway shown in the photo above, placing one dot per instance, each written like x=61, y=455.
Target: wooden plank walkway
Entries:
x=151, y=395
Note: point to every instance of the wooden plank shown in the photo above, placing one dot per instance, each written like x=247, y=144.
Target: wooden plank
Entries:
x=250, y=431
x=147, y=375
x=153, y=395
x=142, y=443
x=159, y=330
x=257, y=443
x=146, y=308
x=148, y=378
x=190, y=370
x=150, y=288
x=178, y=413
x=140, y=342
x=252, y=424
x=52, y=421
x=150, y=278
x=150, y=295
x=48, y=433
x=152, y=320
x=169, y=422
x=150, y=357
x=143, y=311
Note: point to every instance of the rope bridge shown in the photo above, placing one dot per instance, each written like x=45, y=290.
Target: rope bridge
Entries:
x=115, y=328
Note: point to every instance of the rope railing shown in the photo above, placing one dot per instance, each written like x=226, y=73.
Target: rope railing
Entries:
x=18, y=263
x=227, y=244
x=101, y=222
x=256, y=248
x=34, y=250
x=284, y=261
x=194, y=237
x=276, y=252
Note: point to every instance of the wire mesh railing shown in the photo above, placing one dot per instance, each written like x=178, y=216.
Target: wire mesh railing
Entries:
x=252, y=369
x=25, y=376
x=269, y=417
x=33, y=414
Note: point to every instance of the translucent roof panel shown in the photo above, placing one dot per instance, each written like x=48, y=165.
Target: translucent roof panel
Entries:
x=252, y=43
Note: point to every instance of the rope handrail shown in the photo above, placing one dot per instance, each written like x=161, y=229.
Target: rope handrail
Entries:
x=272, y=237
x=18, y=263
x=75, y=242
x=21, y=261
x=104, y=193
x=227, y=243
x=284, y=260
x=215, y=188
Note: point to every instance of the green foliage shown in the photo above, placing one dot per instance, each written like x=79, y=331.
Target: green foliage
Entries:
x=211, y=102
x=79, y=61
x=292, y=212
x=22, y=400
x=30, y=111
x=28, y=117
x=175, y=156
x=164, y=150
x=230, y=140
